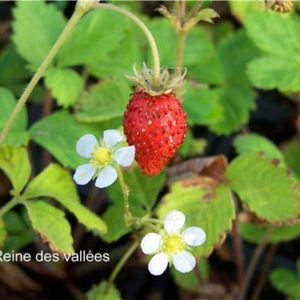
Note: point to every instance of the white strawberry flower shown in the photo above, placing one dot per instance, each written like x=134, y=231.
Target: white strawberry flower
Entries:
x=103, y=157
x=170, y=246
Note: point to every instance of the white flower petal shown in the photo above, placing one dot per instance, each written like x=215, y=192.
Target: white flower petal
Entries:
x=84, y=174
x=194, y=236
x=151, y=243
x=107, y=176
x=112, y=137
x=184, y=262
x=174, y=221
x=86, y=145
x=158, y=264
x=125, y=156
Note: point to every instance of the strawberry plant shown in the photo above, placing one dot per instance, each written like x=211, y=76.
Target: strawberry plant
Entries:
x=140, y=140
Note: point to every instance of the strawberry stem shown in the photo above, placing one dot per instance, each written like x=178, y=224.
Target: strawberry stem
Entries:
x=125, y=190
x=79, y=12
x=148, y=34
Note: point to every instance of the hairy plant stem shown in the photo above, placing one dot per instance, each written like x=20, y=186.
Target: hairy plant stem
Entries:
x=40, y=72
x=9, y=205
x=148, y=34
x=181, y=33
x=121, y=264
x=125, y=190
x=253, y=263
x=181, y=36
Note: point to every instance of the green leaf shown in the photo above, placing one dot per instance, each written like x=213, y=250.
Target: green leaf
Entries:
x=3, y=233
x=200, y=55
x=236, y=95
x=98, y=292
x=143, y=193
x=207, y=15
x=253, y=233
x=249, y=143
x=19, y=231
x=240, y=9
x=14, y=67
x=291, y=152
x=104, y=102
x=66, y=85
x=36, y=27
x=212, y=210
x=15, y=164
x=17, y=135
x=56, y=182
x=278, y=38
x=202, y=105
x=129, y=52
x=59, y=133
x=93, y=38
x=190, y=281
x=51, y=223
x=192, y=146
x=284, y=280
x=237, y=103
x=269, y=190
x=271, y=72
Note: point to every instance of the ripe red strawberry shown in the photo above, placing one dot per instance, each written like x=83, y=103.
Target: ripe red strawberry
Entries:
x=156, y=125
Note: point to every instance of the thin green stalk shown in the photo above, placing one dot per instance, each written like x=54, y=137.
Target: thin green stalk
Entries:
x=40, y=72
x=121, y=264
x=9, y=205
x=125, y=190
x=181, y=36
x=181, y=33
x=148, y=34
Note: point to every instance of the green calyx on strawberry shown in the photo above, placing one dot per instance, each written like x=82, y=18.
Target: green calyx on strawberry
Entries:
x=154, y=121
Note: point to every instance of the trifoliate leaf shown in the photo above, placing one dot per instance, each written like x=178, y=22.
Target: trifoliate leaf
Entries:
x=17, y=135
x=14, y=162
x=59, y=133
x=66, y=85
x=56, y=182
x=93, y=38
x=291, y=152
x=51, y=224
x=207, y=207
x=284, y=280
x=98, y=292
x=202, y=105
x=36, y=27
x=249, y=143
x=104, y=102
x=142, y=196
x=277, y=36
x=266, y=187
x=253, y=233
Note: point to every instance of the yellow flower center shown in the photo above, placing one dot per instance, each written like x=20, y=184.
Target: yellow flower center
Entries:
x=101, y=156
x=173, y=244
